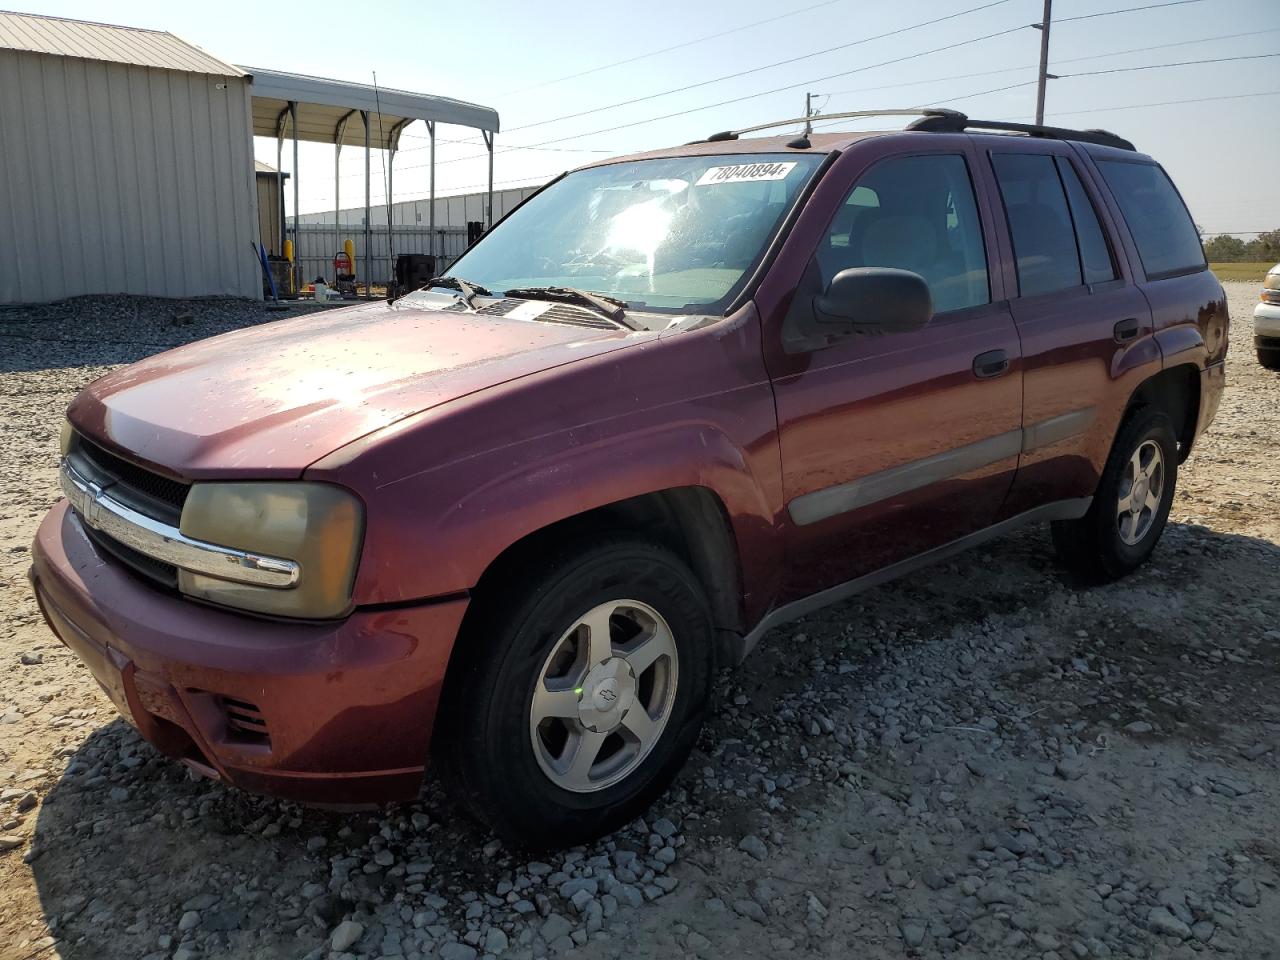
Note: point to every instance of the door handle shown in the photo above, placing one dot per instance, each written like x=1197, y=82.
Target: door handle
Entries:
x=990, y=364
x=1127, y=330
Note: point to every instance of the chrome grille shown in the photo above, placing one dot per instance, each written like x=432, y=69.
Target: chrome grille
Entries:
x=128, y=529
x=164, y=574
x=107, y=469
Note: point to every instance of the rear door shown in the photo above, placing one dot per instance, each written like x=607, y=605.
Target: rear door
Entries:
x=1085, y=326
x=893, y=444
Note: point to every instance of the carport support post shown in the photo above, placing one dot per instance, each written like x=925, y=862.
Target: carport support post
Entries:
x=391, y=172
x=284, y=224
x=297, y=244
x=339, y=134
x=488, y=214
x=431, y=194
x=368, y=227
x=337, y=202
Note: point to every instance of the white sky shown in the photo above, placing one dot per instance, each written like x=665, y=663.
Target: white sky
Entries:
x=1223, y=153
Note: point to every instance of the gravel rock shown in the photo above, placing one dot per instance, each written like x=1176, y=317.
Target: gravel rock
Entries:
x=345, y=935
x=913, y=932
x=457, y=951
x=1245, y=893
x=1162, y=921
x=753, y=846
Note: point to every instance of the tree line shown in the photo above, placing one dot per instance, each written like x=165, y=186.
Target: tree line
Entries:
x=1265, y=247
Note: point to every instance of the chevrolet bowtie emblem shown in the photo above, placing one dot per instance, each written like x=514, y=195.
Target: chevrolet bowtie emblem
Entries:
x=92, y=504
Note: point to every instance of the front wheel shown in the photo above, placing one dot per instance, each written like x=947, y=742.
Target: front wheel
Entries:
x=1269, y=358
x=1131, y=505
x=577, y=694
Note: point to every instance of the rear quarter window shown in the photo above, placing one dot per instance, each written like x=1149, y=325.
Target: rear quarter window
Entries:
x=1161, y=227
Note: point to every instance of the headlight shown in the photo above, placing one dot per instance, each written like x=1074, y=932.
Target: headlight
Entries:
x=317, y=525
x=64, y=441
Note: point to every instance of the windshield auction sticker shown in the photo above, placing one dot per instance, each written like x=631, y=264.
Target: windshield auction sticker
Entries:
x=746, y=173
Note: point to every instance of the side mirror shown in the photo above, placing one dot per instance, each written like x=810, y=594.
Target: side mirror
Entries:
x=874, y=300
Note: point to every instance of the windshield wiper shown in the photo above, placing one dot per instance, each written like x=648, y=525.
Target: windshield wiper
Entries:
x=608, y=307
x=468, y=291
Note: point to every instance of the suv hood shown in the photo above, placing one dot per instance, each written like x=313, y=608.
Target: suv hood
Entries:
x=270, y=400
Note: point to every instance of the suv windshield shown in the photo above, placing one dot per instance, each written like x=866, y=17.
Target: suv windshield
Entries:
x=678, y=235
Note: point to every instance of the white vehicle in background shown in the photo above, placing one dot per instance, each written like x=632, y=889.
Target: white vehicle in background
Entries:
x=1266, y=321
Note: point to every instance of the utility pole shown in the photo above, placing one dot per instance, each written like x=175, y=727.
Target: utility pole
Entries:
x=808, y=114
x=1043, y=27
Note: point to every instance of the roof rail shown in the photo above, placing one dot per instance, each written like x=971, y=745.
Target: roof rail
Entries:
x=952, y=121
x=924, y=112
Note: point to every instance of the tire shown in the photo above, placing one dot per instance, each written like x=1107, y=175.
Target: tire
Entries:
x=1104, y=544
x=1269, y=358
x=528, y=636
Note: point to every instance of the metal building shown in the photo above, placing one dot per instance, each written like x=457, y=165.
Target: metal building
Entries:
x=126, y=163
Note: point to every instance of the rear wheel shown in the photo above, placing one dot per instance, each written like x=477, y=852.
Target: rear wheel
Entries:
x=1269, y=358
x=578, y=693
x=1131, y=505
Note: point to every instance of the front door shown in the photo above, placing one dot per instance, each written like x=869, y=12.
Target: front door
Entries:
x=895, y=444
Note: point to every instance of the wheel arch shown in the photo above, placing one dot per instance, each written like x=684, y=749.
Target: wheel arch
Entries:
x=691, y=521
x=1176, y=391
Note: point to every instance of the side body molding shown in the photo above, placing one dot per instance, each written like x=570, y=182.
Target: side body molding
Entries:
x=844, y=497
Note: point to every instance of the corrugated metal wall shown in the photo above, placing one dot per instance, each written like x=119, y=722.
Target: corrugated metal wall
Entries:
x=123, y=179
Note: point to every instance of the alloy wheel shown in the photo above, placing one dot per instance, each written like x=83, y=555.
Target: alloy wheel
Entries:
x=1141, y=489
x=603, y=696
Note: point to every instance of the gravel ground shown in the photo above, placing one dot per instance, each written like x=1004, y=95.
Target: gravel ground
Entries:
x=985, y=761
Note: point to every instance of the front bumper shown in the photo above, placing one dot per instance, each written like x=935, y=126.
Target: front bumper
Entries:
x=335, y=712
x=1266, y=322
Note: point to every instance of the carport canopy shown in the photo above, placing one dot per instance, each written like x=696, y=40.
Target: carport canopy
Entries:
x=320, y=110
x=324, y=105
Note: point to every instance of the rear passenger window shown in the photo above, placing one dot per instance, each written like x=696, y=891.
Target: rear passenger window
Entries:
x=1040, y=224
x=1095, y=254
x=1158, y=219
x=917, y=214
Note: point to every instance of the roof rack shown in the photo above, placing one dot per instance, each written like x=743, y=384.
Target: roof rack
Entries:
x=924, y=112
x=941, y=120
x=952, y=121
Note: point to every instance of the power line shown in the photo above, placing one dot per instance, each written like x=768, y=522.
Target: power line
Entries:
x=767, y=66
x=969, y=96
x=1128, y=106
x=1167, y=103
x=794, y=86
x=1162, y=66
x=1056, y=63
x=678, y=46
x=1066, y=113
x=710, y=106
x=1112, y=13
x=751, y=96
x=981, y=93
x=843, y=46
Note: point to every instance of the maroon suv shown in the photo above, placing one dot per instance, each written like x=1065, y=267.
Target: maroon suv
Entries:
x=514, y=521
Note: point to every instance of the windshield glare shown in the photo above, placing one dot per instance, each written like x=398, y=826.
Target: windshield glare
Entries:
x=670, y=235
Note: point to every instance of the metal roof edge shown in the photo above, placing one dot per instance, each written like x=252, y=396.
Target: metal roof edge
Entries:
x=389, y=101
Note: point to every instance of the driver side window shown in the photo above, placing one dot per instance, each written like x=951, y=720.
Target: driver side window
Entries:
x=917, y=214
